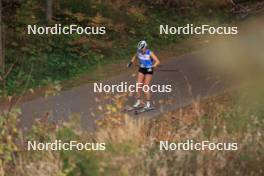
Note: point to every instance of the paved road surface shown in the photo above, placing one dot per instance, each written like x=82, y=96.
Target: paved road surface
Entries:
x=182, y=73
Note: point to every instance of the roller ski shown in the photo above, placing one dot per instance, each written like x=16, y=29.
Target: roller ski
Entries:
x=146, y=108
x=135, y=107
x=132, y=108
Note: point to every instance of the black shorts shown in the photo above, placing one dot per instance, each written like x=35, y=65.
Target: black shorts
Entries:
x=146, y=70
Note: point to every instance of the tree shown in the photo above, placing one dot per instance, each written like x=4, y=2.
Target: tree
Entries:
x=2, y=58
x=49, y=10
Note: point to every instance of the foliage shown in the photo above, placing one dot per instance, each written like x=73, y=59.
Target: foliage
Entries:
x=60, y=57
x=8, y=135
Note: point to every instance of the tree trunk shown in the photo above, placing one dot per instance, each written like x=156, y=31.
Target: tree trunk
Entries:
x=2, y=58
x=49, y=10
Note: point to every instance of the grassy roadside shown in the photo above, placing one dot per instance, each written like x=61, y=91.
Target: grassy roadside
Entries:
x=218, y=119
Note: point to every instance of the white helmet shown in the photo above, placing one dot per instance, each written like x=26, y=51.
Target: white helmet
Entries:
x=142, y=44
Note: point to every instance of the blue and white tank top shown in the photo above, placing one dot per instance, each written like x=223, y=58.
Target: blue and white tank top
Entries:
x=145, y=59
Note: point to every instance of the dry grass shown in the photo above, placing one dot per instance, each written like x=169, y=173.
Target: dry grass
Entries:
x=215, y=119
x=132, y=146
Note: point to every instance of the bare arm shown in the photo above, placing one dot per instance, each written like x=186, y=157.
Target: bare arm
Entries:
x=133, y=58
x=155, y=58
x=132, y=61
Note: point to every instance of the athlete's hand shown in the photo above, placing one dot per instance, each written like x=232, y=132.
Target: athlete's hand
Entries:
x=129, y=64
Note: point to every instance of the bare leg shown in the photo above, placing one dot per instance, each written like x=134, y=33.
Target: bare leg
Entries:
x=140, y=79
x=147, y=81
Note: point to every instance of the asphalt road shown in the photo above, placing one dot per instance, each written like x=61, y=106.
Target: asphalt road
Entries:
x=189, y=76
